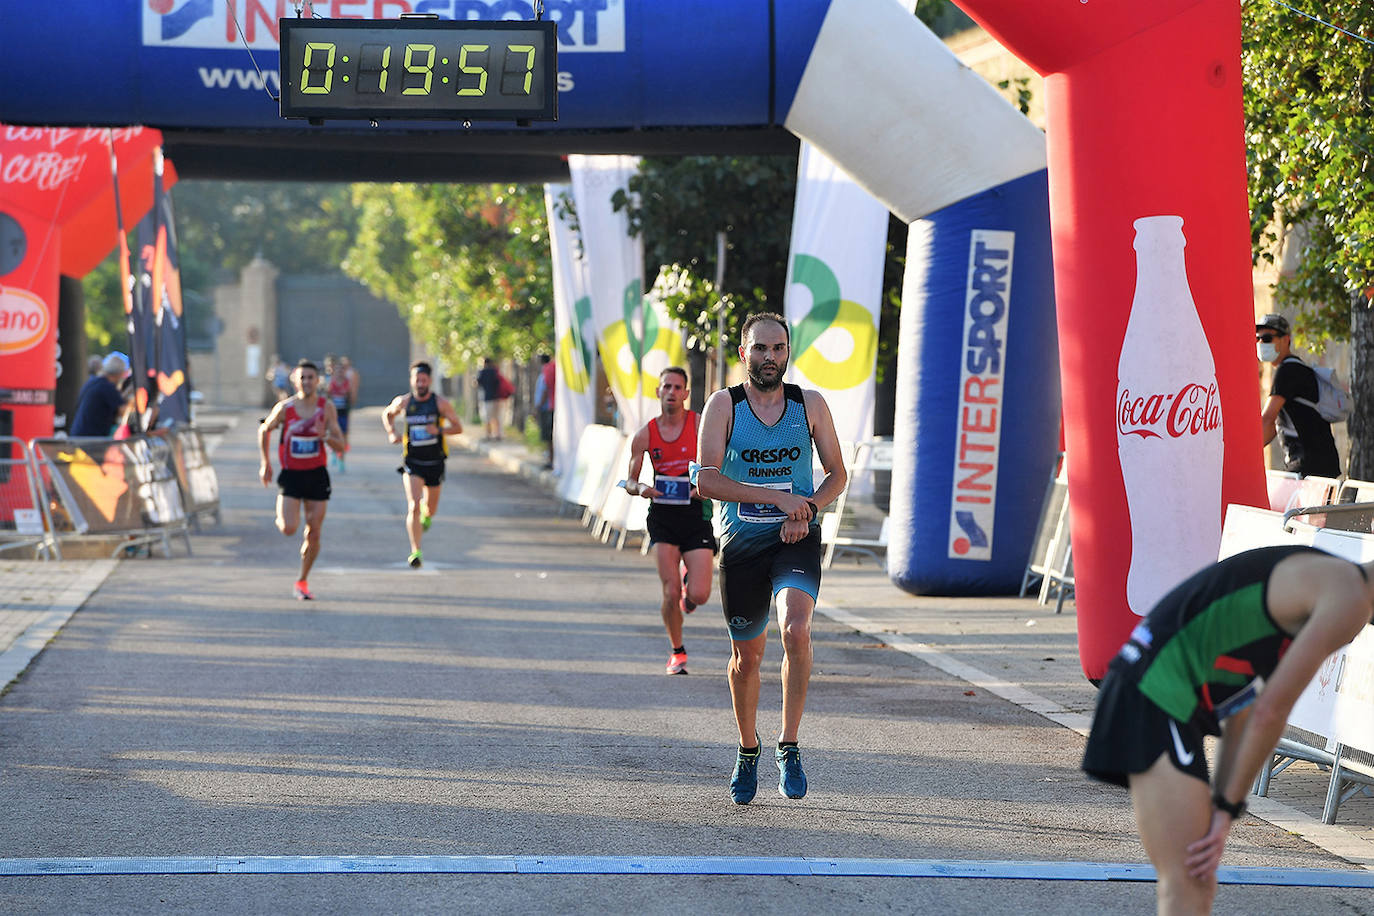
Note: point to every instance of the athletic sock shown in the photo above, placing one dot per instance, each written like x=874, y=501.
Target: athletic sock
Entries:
x=679, y=650
x=750, y=752
x=786, y=744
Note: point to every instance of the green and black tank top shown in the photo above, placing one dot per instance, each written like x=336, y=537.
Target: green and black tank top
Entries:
x=420, y=444
x=1205, y=650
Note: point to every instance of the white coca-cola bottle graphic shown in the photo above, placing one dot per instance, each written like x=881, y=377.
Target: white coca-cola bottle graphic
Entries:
x=1168, y=422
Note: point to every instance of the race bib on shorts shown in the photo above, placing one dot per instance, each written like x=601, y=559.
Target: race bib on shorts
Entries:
x=340, y=401
x=305, y=446
x=765, y=513
x=677, y=491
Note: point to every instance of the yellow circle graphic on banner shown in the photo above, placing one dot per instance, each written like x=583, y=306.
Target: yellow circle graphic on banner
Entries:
x=856, y=368
x=571, y=364
x=618, y=358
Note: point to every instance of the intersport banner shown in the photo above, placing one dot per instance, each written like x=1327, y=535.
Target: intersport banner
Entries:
x=574, y=333
x=834, y=290
x=635, y=337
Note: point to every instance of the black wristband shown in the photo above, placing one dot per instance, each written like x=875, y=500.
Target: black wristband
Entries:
x=814, y=511
x=1237, y=810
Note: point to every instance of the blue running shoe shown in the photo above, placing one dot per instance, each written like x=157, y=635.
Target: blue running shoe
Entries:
x=791, y=779
x=744, y=783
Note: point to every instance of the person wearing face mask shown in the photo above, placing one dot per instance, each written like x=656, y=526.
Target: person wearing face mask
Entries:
x=1308, y=446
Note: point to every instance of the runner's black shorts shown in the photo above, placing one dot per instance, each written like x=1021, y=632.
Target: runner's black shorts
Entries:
x=748, y=584
x=685, y=527
x=1130, y=732
x=431, y=472
x=312, y=484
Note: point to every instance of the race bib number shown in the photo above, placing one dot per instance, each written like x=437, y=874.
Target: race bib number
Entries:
x=420, y=434
x=305, y=446
x=340, y=401
x=677, y=491
x=765, y=513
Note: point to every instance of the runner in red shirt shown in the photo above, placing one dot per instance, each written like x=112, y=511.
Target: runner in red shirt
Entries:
x=308, y=423
x=679, y=520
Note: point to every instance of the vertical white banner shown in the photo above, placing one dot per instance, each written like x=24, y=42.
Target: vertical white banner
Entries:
x=574, y=399
x=635, y=340
x=834, y=290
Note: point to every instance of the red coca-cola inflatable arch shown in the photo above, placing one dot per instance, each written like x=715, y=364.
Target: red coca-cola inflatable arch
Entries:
x=1149, y=222
x=57, y=218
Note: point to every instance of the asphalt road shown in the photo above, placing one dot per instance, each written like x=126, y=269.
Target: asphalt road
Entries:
x=508, y=700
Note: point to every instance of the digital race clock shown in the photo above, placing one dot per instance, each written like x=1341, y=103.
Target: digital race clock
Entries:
x=419, y=69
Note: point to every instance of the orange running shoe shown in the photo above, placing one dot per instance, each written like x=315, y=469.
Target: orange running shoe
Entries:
x=677, y=663
x=302, y=592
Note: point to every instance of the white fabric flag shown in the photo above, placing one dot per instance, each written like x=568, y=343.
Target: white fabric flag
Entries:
x=635, y=339
x=574, y=400
x=834, y=290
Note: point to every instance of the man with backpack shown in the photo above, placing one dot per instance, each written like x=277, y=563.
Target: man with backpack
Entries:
x=1295, y=407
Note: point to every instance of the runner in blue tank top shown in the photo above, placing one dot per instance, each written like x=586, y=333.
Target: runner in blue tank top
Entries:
x=755, y=454
x=1227, y=652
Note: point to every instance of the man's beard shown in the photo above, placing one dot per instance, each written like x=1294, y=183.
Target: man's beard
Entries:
x=762, y=384
x=420, y=392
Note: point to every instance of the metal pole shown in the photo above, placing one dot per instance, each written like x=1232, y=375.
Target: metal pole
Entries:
x=720, y=310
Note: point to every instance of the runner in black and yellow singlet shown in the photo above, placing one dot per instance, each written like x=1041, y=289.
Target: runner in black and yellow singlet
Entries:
x=429, y=419
x=1227, y=652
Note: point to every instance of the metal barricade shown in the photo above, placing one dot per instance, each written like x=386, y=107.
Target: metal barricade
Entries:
x=195, y=474
x=24, y=520
x=107, y=487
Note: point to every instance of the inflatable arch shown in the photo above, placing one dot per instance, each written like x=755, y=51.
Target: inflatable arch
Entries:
x=1143, y=173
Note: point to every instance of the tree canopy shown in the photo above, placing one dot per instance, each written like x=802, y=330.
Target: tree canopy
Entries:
x=468, y=265
x=1310, y=138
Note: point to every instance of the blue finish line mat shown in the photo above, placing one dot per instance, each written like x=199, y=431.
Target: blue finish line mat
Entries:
x=657, y=865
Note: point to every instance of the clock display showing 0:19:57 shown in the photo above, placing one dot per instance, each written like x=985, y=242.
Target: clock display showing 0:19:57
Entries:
x=346, y=69
x=416, y=71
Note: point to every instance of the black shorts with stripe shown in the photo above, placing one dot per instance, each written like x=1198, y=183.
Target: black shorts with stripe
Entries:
x=1130, y=732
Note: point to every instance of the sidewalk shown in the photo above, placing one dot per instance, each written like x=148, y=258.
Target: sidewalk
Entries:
x=1010, y=647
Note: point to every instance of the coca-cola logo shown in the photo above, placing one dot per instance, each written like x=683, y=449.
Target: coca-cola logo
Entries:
x=1194, y=409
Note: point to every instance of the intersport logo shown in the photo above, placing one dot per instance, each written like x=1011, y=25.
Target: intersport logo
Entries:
x=1194, y=409
x=583, y=25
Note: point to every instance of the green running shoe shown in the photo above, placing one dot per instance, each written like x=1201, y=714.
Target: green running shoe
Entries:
x=415, y=560
x=426, y=520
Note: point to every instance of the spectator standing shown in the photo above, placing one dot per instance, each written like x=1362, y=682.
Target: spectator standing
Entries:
x=99, y=403
x=1308, y=446
x=543, y=402
x=489, y=386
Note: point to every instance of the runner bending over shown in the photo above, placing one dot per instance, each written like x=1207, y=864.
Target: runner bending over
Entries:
x=1225, y=653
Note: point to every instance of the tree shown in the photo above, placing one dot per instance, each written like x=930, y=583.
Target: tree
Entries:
x=467, y=265
x=221, y=226
x=678, y=205
x=1309, y=89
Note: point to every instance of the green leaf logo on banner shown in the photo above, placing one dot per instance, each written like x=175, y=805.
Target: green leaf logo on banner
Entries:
x=574, y=350
x=828, y=311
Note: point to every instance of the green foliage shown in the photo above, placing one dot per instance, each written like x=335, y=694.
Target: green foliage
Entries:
x=467, y=265
x=1310, y=137
x=679, y=204
x=221, y=226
